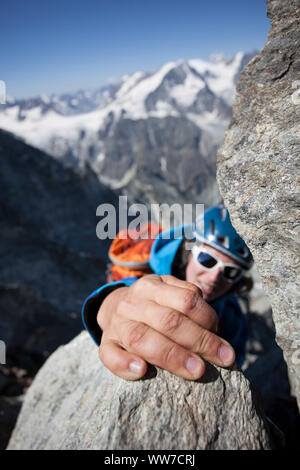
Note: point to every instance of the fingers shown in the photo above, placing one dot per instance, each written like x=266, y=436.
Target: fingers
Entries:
x=183, y=331
x=164, y=321
x=120, y=362
x=178, y=295
x=205, y=317
x=173, y=281
x=109, y=305
x=156, y=349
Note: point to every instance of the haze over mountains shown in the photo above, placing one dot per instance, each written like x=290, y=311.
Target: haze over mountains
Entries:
x=154, y=135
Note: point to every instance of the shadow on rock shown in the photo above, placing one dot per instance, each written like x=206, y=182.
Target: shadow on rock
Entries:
x=265, y=367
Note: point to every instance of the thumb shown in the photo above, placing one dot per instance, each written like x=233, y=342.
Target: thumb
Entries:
x=120, y=362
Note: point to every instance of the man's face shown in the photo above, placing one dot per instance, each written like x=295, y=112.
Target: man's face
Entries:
x=212, y=283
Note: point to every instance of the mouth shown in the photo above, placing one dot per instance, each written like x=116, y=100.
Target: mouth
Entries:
x=206, y=289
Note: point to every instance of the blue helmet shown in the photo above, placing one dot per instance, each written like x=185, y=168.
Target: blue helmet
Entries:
x=220, y=234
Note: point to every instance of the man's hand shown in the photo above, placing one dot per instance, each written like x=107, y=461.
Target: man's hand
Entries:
x=164, y=321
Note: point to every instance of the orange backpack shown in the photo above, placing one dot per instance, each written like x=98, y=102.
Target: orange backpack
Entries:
x=130, y=251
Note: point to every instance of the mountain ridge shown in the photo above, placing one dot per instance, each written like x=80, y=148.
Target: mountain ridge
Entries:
x=152, y=135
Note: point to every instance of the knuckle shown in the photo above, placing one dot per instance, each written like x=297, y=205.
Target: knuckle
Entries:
x=113, y=363
x=135, y=333
x=142, y=284
x=194, y=288
x=100, y=319
x=206, y=344
x=167, y=277
x=190, y=299
x=153, y=277
x=116, y=325
x=123, y=306
x=134, y=288
x=103, y=317
x=171, y=321
x=206, y=316
x=171, y=354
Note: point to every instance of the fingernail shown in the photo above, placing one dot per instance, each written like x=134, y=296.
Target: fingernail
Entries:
x=225, y=354
x=136, y=367
x=194, y=366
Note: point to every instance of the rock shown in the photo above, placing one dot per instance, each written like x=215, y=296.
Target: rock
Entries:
x=76, y=403
x=166, y=160
x=264, y=358
x=257, y=172
x=51, y=258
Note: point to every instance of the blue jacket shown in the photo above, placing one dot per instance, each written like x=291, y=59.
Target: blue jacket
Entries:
x=164, y=249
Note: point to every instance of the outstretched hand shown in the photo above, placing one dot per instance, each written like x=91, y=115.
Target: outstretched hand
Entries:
x=163, y=321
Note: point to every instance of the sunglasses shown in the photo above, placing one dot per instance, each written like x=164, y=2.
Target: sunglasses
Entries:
x=208, y=261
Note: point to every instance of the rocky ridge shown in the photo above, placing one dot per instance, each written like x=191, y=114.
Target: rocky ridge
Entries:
x=153, y=135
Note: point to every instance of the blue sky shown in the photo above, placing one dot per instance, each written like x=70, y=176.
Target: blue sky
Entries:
x=60, y=46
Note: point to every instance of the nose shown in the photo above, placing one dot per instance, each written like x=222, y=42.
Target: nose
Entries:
x=215, y=275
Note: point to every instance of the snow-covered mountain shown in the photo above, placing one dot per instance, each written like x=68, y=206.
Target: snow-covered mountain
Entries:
x=66, y=104
x=154, y=134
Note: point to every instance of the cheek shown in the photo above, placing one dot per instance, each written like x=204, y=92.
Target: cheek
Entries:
x=189, y=272
x=193, y=272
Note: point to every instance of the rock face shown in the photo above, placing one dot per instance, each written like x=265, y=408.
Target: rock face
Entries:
x=164, y=161
x=257, y=172
x=51, y=260
x=75, y=403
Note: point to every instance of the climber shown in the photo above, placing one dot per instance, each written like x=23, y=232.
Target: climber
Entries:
x=182, y=313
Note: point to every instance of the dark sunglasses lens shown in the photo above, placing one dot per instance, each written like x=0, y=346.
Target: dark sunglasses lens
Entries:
x=231, y=273
x=206, y=260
